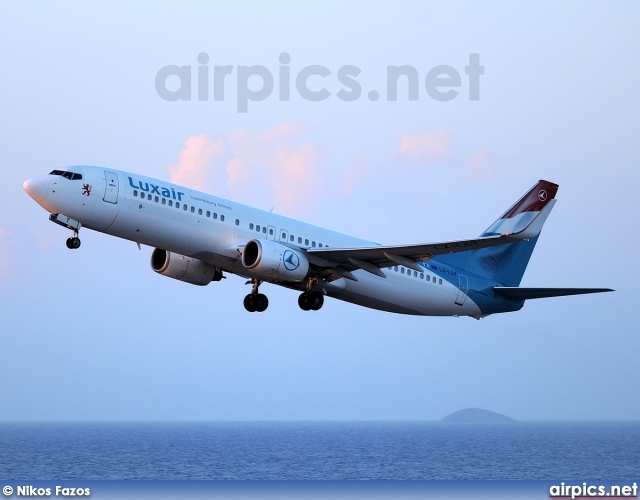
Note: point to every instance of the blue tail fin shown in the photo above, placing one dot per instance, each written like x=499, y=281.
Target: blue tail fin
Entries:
x=506, y=263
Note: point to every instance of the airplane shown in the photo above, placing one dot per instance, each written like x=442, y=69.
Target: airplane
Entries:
x=198, y=237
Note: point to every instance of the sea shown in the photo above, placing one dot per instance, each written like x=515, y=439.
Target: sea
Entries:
x=319, y=451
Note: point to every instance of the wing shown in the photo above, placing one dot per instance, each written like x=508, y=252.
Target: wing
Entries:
x=340, y=262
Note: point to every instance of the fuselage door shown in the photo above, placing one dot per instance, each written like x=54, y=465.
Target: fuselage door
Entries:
x=111, y=187
x=462, y=290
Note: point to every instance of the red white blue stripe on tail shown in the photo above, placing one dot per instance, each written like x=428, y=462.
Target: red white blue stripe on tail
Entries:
x=538, y=201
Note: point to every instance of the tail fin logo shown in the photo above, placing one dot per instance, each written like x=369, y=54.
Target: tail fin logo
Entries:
x=542, y=195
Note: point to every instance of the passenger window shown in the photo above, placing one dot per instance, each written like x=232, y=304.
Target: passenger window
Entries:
x=251, y=225
x=306, y=242
x=258, y=227
x=401, y=269
x=284, y=236
x=215, y=215
x=421, y=276
x=170, y=203
x=270, y=232
x=292, y=237
x=157, y=199
x=135, y=192
x=199, y=211
x=299, y=240
x=440, y=281
x=415, y=274
x=313, y=243
x=185, y=207
x=177, y=205
x=164, y=201
x=237, y=222
x=222, y=218
x=193, y=210
x=208, y=213
x=264, y=230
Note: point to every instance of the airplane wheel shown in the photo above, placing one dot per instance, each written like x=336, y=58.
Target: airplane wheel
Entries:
x=315, y=300
x=303, y=302
x=69, y=244
x=250, y=303
x=261, y=302
x=75, y=243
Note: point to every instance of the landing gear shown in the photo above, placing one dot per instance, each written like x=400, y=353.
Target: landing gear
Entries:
x=256, y=302
x=73, y=243
x=311, y=300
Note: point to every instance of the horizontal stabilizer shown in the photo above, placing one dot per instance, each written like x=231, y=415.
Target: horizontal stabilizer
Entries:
x=543, y=293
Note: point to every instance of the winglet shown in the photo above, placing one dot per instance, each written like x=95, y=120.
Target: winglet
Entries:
x=518, y=220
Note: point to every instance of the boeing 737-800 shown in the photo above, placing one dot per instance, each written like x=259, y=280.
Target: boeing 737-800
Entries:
x=199, y=237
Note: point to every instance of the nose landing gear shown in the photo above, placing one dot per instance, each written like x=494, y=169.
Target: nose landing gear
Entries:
x=73, y=243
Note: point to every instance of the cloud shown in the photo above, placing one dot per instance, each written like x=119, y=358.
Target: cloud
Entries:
x=196, y=161
x=275, y=167
x=425, y=145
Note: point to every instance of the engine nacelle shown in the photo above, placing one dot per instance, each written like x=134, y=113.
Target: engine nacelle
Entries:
x=184, y=268
x=275, y=262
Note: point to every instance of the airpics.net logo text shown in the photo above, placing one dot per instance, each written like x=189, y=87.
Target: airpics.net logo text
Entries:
x=257, y=83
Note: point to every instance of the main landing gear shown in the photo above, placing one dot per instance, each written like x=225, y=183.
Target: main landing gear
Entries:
x=256, y=302
x=310, y=300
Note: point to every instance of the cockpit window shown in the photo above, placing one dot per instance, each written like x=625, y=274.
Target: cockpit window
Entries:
x=72, y=176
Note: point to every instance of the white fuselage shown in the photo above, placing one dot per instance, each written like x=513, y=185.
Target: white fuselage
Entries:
x=212, y=229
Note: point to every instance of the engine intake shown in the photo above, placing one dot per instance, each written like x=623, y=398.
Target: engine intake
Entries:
x=275, y=262
x=187, y=269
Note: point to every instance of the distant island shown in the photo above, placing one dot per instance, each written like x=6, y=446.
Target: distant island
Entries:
x=476, y=415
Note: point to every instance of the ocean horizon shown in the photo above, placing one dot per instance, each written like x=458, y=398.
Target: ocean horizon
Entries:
x=319, y=450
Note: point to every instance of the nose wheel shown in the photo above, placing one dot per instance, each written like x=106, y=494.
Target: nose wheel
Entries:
x=73, y=243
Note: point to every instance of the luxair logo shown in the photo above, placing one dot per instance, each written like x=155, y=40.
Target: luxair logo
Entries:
x=291, y=260
x=153, y=189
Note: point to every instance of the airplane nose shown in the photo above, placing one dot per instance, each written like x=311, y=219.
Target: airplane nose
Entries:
x=37, y=187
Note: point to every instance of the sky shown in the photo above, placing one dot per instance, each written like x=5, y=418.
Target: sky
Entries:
x=94, y=334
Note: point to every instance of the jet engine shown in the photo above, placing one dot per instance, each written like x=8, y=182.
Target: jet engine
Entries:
x=184, y=268
x=274, y=262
